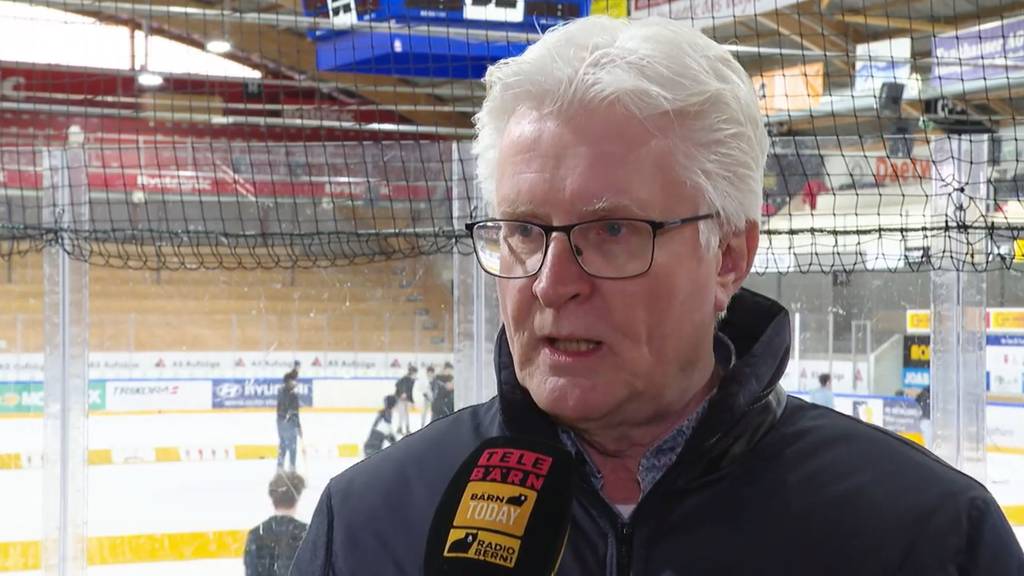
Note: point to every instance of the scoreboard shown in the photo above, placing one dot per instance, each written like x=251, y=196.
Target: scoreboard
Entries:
x=501, y=15
x=432, y=38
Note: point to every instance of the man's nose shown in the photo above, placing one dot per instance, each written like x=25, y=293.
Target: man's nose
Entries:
x=560, y=278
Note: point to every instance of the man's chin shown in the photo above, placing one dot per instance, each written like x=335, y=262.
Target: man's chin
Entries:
x=575, y=411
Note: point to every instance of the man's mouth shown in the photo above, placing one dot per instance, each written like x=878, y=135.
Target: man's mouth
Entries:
x=573, y=344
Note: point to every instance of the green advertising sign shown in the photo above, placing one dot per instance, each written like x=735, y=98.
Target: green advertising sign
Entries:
x=23, y=397
x=18, y=397
x=97, y=395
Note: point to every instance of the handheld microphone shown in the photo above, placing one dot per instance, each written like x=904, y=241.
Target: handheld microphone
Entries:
x=505, y=512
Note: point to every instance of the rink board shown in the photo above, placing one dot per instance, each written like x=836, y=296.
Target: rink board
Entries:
x=253, y=436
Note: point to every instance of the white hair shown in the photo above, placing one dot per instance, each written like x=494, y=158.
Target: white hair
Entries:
x=647, y=67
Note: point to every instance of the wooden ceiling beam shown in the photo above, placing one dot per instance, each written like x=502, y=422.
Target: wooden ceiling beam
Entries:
x=821, y=124
x=840, y=29
x=761, y=33
x=1002, y=107
x=973, y=110
x=793, y=26
x=892, y=23
x=893, y=7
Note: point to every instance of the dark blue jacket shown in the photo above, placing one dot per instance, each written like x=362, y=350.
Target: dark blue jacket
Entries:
x=270, y=547
x=766, y=485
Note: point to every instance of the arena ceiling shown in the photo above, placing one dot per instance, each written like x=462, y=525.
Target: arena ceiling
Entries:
x=272, y=35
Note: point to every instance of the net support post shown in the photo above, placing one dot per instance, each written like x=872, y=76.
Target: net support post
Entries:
x=475, y=299
x=958, y=300
x=65, y=373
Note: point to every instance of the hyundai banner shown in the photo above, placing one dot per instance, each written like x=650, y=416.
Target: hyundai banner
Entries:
x=256, y=392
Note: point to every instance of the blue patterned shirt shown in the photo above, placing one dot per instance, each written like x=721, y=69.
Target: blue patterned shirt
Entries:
x=659, y=457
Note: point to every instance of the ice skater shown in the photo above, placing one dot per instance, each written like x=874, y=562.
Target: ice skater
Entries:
x=428, y=396
x=381, y=430
x=822, y=396
x=289, y=428
x=403, y=393
x=444, y=394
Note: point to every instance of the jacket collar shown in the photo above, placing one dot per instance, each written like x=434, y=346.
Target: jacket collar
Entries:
x=748, y=401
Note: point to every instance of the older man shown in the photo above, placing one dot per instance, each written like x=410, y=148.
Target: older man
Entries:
x=625, y=161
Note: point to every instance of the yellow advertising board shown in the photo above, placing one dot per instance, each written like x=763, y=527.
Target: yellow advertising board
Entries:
x=613, y=8
x=997, y=321
x=794, y=88
x=1006, y=320
x=919, y=321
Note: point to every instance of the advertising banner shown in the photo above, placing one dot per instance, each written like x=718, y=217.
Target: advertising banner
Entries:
x=127, y=395
x=995, y=50
x=997, y=321
x=917, y=351
x=1004, y=360
x=97, y=395
x=880, y=62
x=25, y=397
x=226, y=364
x=255, y=393
x=705, y=13
x=919, y=321
x=613, y=8
x=846, y=377
x=21, y=367
x=901, y=415
x=20, y=397
x=1005, y=426
x=1004, y=422
x=1006, y=320
x=797, y=87
x=870, y=409
x=916, y=359
x=914, y=378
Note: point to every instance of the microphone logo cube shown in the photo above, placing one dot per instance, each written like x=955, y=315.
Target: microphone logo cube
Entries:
x=495, y=506
x=483, y=545
x=506, y=511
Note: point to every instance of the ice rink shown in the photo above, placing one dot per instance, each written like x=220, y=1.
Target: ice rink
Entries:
x=176, y=497
x=221, y=495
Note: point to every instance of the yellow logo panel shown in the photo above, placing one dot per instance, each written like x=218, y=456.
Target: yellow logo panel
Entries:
x=613, y=8
x=1006, y=320
x=482, y=545
x=494, y=506
x=919, y=321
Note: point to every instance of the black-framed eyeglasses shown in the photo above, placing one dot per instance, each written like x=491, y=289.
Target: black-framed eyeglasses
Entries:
x=612, y=248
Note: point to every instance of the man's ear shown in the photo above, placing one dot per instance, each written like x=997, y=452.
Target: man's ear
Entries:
x=736, y=257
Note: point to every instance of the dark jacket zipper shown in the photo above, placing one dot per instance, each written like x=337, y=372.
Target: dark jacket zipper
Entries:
x=624, y=549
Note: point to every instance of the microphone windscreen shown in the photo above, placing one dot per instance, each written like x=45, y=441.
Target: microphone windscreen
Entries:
x=506, y=511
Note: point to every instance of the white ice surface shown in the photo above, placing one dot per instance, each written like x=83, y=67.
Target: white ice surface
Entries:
x=222, y=495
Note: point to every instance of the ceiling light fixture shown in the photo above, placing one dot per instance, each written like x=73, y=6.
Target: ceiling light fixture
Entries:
x=218, y=46
x=149, y=79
